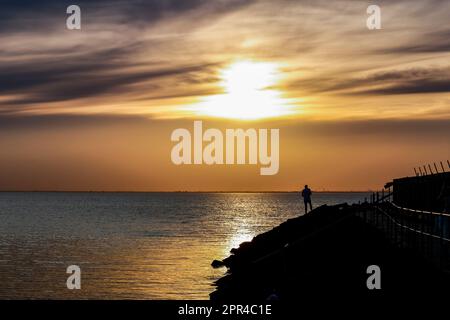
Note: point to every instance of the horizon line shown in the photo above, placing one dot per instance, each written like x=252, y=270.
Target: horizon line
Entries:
x=180, y=191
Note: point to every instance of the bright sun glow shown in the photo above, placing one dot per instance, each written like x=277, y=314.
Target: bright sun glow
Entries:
x=248, y=93
x=246, y=77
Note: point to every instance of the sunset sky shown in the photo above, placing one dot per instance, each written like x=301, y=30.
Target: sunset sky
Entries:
x=93, y=109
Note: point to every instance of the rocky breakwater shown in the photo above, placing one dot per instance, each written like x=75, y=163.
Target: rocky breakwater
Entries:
x=324, y=253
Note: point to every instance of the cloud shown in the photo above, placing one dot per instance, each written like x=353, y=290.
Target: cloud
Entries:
x=407, y=81
x=346, y=128
x=428, y=42
x=147, y=51
x=413, y=87
x=29, y=15
x=118, y=55
x=32, y=122
x=437, y=128
x=412, y=81
x=81, y=79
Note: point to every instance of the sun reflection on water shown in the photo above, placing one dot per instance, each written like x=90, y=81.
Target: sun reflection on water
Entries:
x=239, y=237
x=131, y=246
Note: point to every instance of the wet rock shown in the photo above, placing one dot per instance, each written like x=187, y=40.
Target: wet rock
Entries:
x=217, y=264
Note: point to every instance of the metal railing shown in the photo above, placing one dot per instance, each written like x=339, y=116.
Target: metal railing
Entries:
x=426, y=233
x=418, y=170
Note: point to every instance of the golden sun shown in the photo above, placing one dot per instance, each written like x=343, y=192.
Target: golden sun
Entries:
x=248, y=93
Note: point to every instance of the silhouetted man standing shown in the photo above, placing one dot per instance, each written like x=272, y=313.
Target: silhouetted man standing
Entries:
x=306, y=194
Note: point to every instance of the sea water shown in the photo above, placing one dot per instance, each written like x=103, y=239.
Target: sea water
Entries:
x=132, y=245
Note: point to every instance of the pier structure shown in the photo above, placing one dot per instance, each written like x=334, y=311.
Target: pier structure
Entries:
x=412, y=213
x=404, y=229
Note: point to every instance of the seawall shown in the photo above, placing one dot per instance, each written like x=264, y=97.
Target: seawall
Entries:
x=325, y=253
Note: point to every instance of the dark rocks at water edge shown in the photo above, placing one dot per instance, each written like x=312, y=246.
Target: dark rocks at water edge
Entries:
x=324, y=253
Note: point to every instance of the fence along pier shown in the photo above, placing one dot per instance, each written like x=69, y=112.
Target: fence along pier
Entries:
x=413, y=213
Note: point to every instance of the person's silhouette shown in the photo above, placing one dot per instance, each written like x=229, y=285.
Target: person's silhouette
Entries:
x=306, y=194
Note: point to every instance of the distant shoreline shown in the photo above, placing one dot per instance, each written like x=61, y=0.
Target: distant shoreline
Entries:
x=194, y=192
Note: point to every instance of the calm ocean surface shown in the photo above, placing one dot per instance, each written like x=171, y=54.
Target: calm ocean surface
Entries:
x=131, y=245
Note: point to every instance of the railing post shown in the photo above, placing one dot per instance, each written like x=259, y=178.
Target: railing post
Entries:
x=374, y=210
x=394, y=226
x=430, y=240
x=441, y=239
x=446, y=235
x=422, y=231
x=402, y=231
